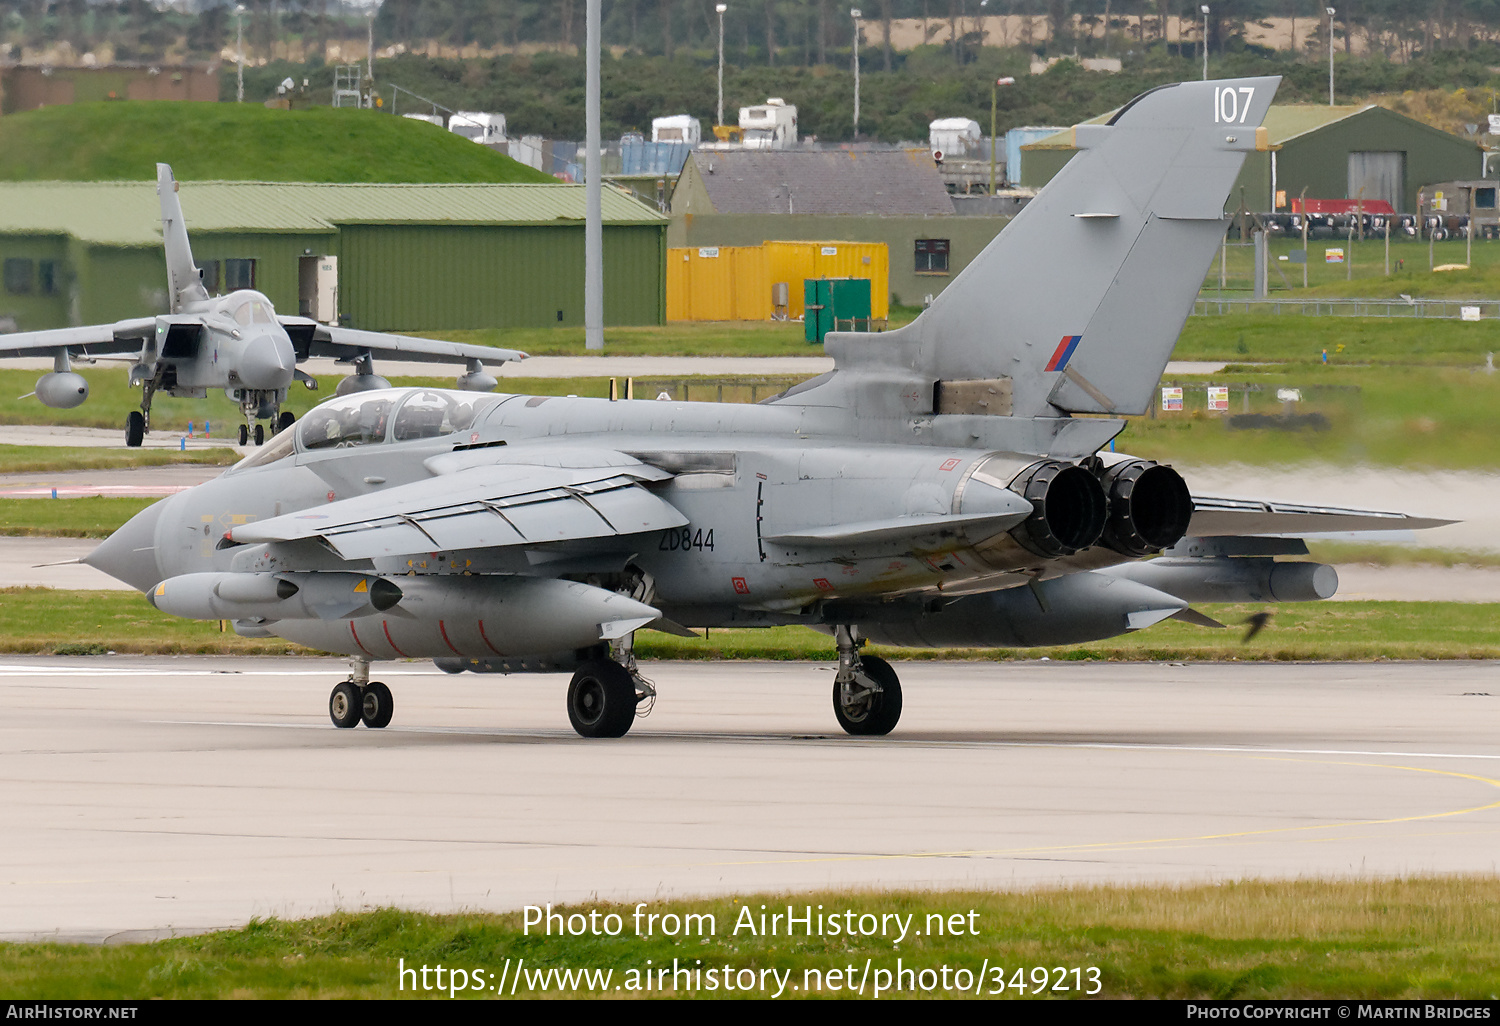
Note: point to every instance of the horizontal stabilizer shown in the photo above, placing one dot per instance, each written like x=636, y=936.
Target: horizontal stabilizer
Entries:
x=1242, y=517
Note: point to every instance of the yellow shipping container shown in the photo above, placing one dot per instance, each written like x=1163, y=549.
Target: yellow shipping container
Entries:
x=794, y=262
x=733, y=283
x=718, y=283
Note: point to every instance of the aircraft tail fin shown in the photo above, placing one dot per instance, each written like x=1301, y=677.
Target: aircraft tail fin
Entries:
x=184, y=284
x=1079, y=301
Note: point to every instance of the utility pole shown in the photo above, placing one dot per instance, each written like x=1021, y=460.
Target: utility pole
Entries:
x=1305, y=254
x=593, y=228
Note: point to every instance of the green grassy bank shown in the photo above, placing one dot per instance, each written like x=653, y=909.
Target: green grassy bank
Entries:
x=1419, y=938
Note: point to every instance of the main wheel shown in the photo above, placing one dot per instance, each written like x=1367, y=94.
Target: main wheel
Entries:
x=873, y=713
x=345, y=705
x=376, y=706
x=135, y=429
x=286, y=420
x=601, y=699
x=244, y=435
x=260, y=434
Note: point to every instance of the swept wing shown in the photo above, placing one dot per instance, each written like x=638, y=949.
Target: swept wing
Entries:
x=483, y=507
x=312, y=338
x=101, y=339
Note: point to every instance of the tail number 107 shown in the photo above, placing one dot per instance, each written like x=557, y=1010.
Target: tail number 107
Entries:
x=686, y=540
x=1229, y=108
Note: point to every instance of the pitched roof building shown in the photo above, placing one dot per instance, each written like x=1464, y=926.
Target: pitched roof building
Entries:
x=813, y=183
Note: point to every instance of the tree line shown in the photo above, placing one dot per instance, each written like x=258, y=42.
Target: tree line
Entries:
x=773, y=33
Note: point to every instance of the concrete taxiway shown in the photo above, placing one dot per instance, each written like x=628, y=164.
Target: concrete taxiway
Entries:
x=148, y=796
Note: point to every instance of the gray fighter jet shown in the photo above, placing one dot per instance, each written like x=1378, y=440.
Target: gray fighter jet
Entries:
x=235, y=342
x=944, y=485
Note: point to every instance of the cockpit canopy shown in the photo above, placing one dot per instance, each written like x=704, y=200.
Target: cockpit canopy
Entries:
x=379, y=417
x=371, y=418
x=246, y=307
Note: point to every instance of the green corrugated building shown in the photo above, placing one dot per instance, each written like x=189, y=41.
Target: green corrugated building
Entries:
x=1333, y=152
x=408, y=257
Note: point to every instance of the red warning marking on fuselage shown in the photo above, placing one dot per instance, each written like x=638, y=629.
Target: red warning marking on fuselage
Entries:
x=361, y=644
x=385, y=625
x=486, y=639
x=444, y=632
x=950, y=464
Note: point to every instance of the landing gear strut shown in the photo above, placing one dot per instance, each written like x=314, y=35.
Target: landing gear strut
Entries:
x=866, y=691
x=360, y=699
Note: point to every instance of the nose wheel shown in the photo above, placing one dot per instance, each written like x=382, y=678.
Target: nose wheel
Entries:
x=866, y=690
x=602, y=699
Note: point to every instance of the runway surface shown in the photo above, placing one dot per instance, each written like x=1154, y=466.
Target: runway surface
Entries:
x=145, y=796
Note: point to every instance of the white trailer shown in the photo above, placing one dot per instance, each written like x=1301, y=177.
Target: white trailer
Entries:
x=677, y=128
x=478, y=126
x=769, y=126
x=955, y=137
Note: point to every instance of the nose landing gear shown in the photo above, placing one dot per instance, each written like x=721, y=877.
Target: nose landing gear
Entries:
x=866, y=690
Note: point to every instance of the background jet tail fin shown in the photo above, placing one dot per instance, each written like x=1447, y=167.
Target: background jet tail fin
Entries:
x=1080, y=299
x=184, y=285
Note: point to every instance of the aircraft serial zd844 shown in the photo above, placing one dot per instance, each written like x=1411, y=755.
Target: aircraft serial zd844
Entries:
x=937, y=488
x=235, y=342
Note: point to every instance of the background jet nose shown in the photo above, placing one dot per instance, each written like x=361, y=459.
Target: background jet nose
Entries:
x=129, y=554
x=267, y=362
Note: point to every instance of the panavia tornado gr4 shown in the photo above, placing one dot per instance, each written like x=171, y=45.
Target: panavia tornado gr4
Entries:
x=944, y=485
x=236, y=342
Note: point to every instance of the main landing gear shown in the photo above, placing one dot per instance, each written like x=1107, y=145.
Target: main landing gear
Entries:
x=866, y=691
x=360, y=699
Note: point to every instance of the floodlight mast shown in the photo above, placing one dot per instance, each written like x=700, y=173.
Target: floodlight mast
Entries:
x=719, y=9
x=1331, y=13
x=593, y=227
x=1204, y=9
x=855, y=14
x=239, y=73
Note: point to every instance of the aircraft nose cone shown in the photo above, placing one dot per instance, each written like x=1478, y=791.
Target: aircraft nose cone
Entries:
x=129, y=554
x=267, y=362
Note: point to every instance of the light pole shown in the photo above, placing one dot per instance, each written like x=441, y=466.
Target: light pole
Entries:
x=854, y=13
x=370, y=55
x=593, y=226
x=1204, y=8
x=239, y=28
x=994, y=98
x=1331, y=13
x=720, y=9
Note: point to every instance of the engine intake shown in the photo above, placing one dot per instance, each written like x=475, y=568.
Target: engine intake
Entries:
x=1149, y=507
x=1068, y=509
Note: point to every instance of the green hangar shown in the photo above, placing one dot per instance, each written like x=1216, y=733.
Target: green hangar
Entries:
x=378, y=257
x=1332, y=152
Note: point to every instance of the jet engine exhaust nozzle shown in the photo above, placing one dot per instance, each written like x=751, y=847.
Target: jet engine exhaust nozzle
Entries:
x=1149, y=507
x=1068, y=509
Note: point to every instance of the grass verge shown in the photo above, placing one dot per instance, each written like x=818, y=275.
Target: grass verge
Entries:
x=64, y=622
x=91, y=517
x=40, y=459
x=1417, y=938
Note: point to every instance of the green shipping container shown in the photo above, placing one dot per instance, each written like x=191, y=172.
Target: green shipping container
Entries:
x=830, y=300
